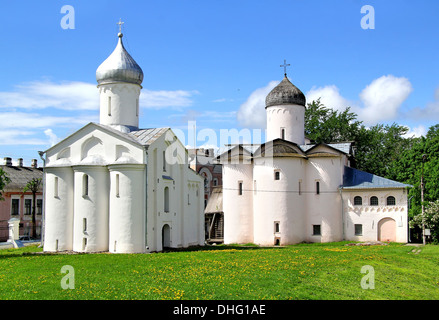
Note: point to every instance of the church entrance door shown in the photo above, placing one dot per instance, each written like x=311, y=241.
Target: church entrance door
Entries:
x=387, y=230
x=166, y=236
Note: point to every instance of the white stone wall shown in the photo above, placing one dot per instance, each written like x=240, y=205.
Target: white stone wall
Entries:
x=119, y=104
x=289, y=117
x=238, y=208
x=370, y=216
x=59, y=209
x=278, y=201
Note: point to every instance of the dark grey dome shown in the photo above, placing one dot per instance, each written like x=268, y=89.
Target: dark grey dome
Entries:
x=119, y=67
x=285, y=93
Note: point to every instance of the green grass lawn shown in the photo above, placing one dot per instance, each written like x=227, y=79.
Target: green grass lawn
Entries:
x=305, y=271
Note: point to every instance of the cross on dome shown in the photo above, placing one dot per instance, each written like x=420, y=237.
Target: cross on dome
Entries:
x=285, y=65
x=120, y=23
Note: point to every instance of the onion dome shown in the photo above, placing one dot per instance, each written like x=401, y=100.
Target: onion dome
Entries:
x=285, y=93
x=119, y=67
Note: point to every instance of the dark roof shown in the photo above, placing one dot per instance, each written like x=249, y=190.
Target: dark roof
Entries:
x=285, y=93
x=20, y=176
x=357, y=179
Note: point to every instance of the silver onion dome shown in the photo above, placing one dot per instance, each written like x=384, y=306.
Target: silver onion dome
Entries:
x=119, y=67
x=285, y=93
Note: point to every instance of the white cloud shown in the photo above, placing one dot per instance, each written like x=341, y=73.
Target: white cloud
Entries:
x=251, y=113
x=53, y=139
x=429, y=112
x=416, y=132
x=330, y=97
x=383, y=98
x=164, y=99
x=20, y=137
x=46, y=94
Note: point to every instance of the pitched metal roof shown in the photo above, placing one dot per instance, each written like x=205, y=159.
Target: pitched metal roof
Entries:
x=20, y=176
x=357, y=179
x=215, y=202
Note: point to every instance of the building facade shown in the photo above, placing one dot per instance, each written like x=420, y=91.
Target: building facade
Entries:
x=286, y=191
x=17, y=203
x=113, y=187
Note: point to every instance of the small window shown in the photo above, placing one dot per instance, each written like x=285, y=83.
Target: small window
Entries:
x=84, y=224
x=166, y=200
x=391, y=201
x=282, y=133
x=276, y=226
x=358, y=201
x=109, y=106
x=15, y=207
x=215, y=182
x=27, y=206
x=39, y=206
x=55, y=187
x=85, y=185
x=316, y=230
x=300, y=187
x=137, y=107
x=317, y=187
x=117, y=185
x=240, y=188
x=358, y=229
x=373, y=201
x=164, y=161
x=277, y=175
x=84, y=244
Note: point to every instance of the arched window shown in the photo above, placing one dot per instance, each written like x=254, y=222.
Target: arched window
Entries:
x=166, y=202
x=373, y=201
x=358, y=201
x=391, y=201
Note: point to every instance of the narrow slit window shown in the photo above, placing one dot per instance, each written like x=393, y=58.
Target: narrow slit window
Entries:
x=240, y=188
x=164, y=161
x=109, y=106
x=276, y=226
x=282, y=133
x=84, y=224
x=277, y=175
x=317, y=187
x=137, y=107
x=117, y=185
x=85, y=185
x=55, y=187
x=300, y=187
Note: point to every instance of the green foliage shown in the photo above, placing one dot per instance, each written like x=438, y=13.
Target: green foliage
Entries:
x=430, y=219
x=4, y=180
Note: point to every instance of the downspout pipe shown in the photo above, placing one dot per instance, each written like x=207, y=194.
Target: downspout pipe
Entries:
x=43, y=218
x=342, y=212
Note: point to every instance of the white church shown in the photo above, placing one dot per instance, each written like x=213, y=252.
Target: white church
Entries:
x=288, y=191
x=113, y=187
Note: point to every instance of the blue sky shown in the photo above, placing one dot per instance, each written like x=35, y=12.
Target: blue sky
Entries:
x=213, y=62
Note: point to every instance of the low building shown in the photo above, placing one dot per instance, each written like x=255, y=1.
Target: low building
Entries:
x=18, y=204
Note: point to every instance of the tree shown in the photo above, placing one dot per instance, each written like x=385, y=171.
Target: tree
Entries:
x=430, y=219
x=33, y=186
x=4, y=180
x=375, y=147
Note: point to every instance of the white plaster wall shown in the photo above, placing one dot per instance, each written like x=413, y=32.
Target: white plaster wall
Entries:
x=93, y=207
x=370, y=216
x=186, y=221
x=92, y=145
x=59, y=210
x=127, y=213
x=324, y=209
x=279, y=201
x=124, y=104
x=238, y=209
x=290, y=117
